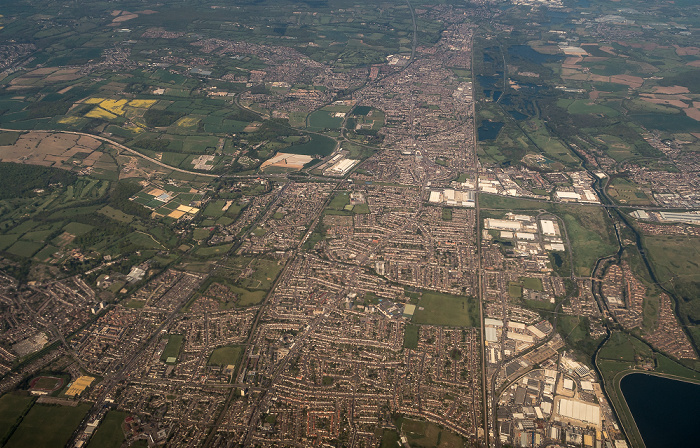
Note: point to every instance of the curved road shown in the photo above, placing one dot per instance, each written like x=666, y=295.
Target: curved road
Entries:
x=118, y=145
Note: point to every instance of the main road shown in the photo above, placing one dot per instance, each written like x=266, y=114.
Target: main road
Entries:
x=120, y=146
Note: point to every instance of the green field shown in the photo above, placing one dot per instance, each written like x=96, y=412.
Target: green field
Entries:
x=339, y=201
x=47, y=426
x=586, y=107
x=115, y=214
x=446, y=214
x=77, y=228
x=224, y=356
x=210, y=251
x=410, y=336
x=674, y=259
x=426, y=434
x=588, y=229
x=322, y=119
x=624, y=191
x=248, y=298
x=109, y=434
x=173, y=347
x=317, y=145
x=515, y=291
x=390, y=439
x=12, y=407
x=446, y=309
x=532, y=283
x=24, y=248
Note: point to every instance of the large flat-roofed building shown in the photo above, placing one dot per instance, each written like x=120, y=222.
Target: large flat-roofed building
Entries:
x=548, y=227
x=578, y=410
x=341, y=167
x=567, y=196
x=79, y=386
x=502, y=224
x=491, y=334
x=691, y=218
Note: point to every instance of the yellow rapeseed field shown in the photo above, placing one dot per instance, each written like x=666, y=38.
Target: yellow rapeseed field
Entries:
x=134, y=129
x=144, y=104
x=69, y=120
x=114, y=106
x=187, y=122
x=100, y=113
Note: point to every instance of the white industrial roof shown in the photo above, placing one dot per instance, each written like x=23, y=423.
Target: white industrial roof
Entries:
x=579, y=410
x=548, y=227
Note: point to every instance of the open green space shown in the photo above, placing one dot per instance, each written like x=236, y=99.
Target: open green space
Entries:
x=318, y=145
x=47, y=426
x=248, y=298
x=390, y=439
x=24, y=248
x=575, y=332
x=12, y=408
x=589, y=232
x=586, y=107
x=532, y=283
x=429, y=435
x=624, y=191
x=224, y=356
x=210, y=251
x=435, y=308
x=173, y=347
x=515, y=291
x=674, y=259
x=109, y=434
x=322, y=119
x=410, y=336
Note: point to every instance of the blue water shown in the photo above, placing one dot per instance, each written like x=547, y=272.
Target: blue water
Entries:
x=666, y=411
x=518, y=115
x=527, y=53
x=489, y=130
x=490, y=81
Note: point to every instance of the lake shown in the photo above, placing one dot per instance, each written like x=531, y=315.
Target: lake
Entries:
x=489, y=130
x=665, y=410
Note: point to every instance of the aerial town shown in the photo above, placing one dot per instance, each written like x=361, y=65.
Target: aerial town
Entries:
x=333, y=225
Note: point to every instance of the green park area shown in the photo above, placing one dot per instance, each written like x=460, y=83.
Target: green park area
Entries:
x=225, y=356
x=626, y=192
x=410, y=336
x=47, y=426
x=674, y=259
x=436, y=308
x=12, y=408
x=589, y=231
x=426, y=434
x=110, y=433
x=172, y=348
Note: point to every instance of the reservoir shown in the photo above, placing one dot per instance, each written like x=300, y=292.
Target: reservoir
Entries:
x=665, y=410
x=489, y=130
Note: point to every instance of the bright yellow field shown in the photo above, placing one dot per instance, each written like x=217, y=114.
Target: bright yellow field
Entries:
x=69, y=120
x=134, y=129
x=187, y=121
x=100, y=113
x=114, y=106
x=145, y=104
x=93, y=100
